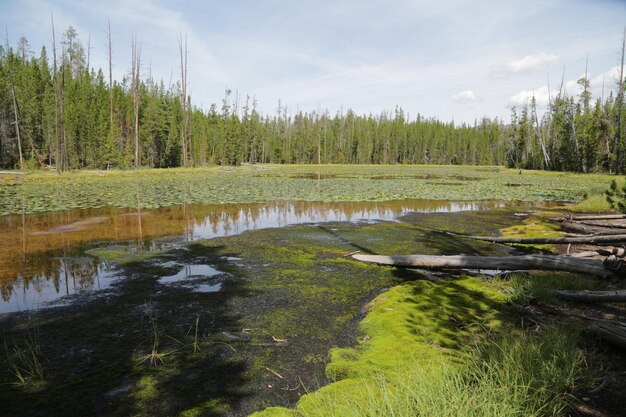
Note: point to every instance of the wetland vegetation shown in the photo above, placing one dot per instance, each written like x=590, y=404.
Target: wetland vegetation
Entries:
x=224, y=284
x=246, y=306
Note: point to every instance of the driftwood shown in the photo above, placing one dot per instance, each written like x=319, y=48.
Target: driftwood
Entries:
x=593, y=296
x=613, y=332
x=605, y=223
x=588, y=229
x=598, y=217
x=589, y=240
x=594, y=267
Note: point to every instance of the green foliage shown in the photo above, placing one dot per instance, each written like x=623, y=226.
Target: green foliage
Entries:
x=616, y=197
x=574, y=135
x=85, y=137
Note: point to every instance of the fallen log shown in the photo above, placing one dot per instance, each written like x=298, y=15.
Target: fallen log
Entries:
x=593, y=296
x=604, y=223
x=585, y=254
x=589, y=229
x=598, y=217
x=590, y=240
x=613, y=332
x=540, y=262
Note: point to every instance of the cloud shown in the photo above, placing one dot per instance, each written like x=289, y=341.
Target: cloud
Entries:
x=605, y=82
x=465, y=97
x=526, y=64
x=542, y=96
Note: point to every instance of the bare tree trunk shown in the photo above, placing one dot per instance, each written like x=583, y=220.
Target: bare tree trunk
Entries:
x=183, y=76
x=62, y=106
x=17, y=127
x=590, y=240
x=613, y=332
x=56, y=100
x=620, y=101
x=190, y=132
x=598, y=217
x=136, y=57
x=587, y=229
x=546, y=157
x=593, y=296
x=502, y=263
x=110, y=79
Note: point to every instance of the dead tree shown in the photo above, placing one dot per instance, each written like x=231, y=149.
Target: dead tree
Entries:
x=56, y=100
x=136, y=62
x=594, y=267
x=183, y=77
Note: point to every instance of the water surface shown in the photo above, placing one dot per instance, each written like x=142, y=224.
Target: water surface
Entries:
x=42, y=255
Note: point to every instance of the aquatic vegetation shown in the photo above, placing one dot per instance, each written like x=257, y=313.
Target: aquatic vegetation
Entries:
x=159, y=188
x=289, y=296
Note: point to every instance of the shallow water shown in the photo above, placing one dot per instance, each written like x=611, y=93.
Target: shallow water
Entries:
x=42, y=256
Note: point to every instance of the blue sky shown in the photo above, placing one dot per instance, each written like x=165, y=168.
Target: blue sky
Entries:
x=454, y=60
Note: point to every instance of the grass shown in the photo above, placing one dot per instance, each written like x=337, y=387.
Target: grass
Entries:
x=151, y=188
x=416, y=361
x=24, y=359
x=541, y=285
x=195, y=344
x=520, y=374
x=595, y=203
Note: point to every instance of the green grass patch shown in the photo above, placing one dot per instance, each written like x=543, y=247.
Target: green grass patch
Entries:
x=541, y=285
x=442, y=349
x=595, y=203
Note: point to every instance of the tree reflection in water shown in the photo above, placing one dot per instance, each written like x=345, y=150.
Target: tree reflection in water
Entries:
x=41, y=255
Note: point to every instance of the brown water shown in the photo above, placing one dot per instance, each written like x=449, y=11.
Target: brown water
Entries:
x=42, y=256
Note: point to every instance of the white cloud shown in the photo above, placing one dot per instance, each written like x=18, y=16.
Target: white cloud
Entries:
x=465, y=97
x=542, y=96
x=600, y=85
x=526, y=64
x=605, y=82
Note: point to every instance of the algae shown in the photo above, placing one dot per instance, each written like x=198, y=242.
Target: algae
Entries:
x=291, y=297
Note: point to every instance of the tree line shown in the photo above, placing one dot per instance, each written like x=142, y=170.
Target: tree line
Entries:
x=67, y=115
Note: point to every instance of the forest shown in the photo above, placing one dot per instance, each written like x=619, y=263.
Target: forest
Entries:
x=59, y=113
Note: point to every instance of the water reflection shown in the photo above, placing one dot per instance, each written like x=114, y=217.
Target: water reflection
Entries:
x=41, y=256
x=62, y=277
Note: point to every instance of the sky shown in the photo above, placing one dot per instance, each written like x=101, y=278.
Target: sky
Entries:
x=455, y=60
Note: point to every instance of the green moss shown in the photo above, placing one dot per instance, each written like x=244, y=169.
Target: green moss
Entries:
x=146, y=392
x=534, y=227
x=212, y=407
x=416, y=324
